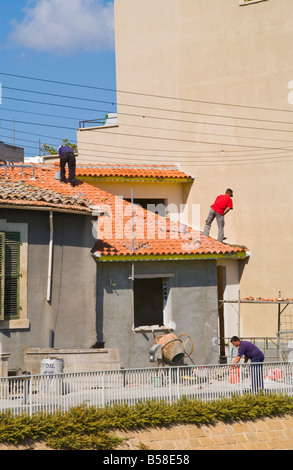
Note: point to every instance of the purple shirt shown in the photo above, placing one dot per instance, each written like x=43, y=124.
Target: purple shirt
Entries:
x=64, y=149
x=249, y=350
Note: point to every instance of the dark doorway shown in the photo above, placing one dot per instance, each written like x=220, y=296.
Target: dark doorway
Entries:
x=148, y=302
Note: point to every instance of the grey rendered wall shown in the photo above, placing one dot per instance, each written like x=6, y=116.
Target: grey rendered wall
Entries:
x=193, y=303
x=73, y=306
x=71, y=312
x=11, y=153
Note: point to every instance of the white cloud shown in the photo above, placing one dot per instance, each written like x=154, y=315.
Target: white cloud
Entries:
x=64, y=26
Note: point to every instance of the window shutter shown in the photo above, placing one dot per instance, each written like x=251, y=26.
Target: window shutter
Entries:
x=2, y=273
x=11, y=299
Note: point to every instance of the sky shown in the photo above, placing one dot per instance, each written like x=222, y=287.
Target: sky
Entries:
x=57, y=68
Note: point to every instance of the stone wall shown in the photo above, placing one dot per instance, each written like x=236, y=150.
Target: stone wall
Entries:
x=262, y=434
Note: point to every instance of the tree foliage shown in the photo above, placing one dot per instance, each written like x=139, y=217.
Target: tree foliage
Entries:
x=50, y=149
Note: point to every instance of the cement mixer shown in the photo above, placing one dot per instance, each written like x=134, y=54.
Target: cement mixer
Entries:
x=170, y=349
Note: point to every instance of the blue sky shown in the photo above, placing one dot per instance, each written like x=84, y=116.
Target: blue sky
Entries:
x=68, y=41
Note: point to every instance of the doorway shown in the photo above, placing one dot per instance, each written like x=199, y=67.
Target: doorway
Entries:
x=148, y=302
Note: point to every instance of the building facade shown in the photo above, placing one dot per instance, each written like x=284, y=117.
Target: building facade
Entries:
x=81, y=270
x=207, y=85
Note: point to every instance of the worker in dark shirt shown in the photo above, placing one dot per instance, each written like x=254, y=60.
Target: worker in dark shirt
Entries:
x=222, y=205
x=66, y=155
x=250, y=352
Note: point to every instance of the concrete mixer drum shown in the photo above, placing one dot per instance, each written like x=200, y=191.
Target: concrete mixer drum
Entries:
x=174, y=348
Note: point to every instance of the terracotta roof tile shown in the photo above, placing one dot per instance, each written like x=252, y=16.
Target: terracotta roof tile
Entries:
x=132, y=171
x=153, y=234
x=23, y=193
x=25, y=185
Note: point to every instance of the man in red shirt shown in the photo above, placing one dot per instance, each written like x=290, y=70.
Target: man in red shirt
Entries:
x=222, y=205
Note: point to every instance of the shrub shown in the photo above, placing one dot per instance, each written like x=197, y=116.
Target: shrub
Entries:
x=92, y=428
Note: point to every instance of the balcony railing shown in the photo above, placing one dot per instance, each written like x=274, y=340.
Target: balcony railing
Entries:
x=108, y=120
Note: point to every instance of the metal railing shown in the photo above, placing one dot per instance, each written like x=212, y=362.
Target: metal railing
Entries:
x=12, y=165
x=60, y=392
x=108, y=119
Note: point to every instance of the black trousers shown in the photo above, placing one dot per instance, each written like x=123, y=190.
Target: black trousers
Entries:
x=70, y=159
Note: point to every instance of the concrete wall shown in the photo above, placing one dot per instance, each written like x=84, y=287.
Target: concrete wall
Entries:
x=71, y=313
x=70, y=360
x=192, y=309
x=212, y=91
x=11, y=153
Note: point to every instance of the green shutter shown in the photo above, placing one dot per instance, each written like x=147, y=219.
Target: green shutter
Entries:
x=2, y=273
x=12, y=274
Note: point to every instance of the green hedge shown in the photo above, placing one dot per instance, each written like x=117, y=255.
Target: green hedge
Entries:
x=89, y=428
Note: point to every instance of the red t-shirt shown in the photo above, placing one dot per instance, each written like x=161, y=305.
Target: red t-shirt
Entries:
x=221, y=203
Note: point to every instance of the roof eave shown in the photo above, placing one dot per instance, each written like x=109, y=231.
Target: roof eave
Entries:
x=165, y=257
x=135, y=179
x=45, y=208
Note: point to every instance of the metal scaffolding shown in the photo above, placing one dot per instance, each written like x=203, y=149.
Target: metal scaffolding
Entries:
x=283, y=336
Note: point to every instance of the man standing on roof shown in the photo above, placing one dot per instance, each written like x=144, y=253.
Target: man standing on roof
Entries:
x=222, y=205
x=66, y=155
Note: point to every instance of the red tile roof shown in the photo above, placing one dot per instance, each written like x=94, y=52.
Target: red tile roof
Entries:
x=153, y=235
x=26, y=185
x=161, y=172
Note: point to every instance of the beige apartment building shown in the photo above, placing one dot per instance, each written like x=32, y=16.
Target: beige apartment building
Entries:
x=208, y=85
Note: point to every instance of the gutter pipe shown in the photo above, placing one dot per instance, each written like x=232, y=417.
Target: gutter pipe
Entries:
x=50, y=259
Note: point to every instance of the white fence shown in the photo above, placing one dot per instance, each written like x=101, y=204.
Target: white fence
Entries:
x=49, y=393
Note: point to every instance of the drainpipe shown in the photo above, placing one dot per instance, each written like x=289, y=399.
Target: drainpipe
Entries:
x=50, y=259
x=132, y=234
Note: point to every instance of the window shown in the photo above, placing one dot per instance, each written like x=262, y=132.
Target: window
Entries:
x=13, y=275
x=152, y=301
x=148, y=302
x=9, y=275
x=158, y=206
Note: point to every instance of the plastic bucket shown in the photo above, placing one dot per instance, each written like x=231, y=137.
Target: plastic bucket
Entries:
x=235, y=375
